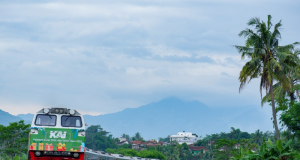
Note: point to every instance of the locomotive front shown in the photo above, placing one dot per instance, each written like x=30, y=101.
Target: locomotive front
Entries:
x=57, y=133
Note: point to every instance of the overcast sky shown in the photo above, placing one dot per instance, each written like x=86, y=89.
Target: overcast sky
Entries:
x=104, y=56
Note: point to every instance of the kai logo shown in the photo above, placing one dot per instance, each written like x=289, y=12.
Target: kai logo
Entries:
x=58, y=134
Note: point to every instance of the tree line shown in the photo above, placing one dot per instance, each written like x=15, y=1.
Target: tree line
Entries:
x=14, y=140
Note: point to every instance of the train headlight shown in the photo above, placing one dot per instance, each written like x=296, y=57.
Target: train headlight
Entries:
x=61, y=111
x=72, y=111
x=37, y=153
x=46, y=110
x=56, y=111
x=75, y=155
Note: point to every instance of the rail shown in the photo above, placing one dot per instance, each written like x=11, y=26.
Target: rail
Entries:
x=100, y=155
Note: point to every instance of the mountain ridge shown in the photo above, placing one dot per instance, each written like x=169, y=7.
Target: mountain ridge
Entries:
x=171, y=115
x=7, y=118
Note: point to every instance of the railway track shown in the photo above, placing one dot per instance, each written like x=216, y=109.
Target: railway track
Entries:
x=100, y=155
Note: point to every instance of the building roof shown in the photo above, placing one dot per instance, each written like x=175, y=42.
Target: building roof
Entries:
x=197, y=148
x=136, y=142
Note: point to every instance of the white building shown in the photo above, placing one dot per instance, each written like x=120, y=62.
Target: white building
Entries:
x=184, y=137
x=122, y=139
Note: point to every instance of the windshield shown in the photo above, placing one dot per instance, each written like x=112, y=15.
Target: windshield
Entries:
x=71, y=121
x=45, y=120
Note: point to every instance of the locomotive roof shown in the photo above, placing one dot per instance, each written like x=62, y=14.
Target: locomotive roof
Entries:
x=60, y=111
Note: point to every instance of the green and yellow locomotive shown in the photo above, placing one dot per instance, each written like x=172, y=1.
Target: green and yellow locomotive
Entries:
x=57, y=133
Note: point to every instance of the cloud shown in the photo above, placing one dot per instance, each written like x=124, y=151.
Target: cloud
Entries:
x=105, y=56
x=225, y=74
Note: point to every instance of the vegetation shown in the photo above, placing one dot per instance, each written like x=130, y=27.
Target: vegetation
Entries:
x=14, y=139
x=133, y=153
x=137, y=137
x=167, y=139
x=268, y=61
x=278, y=68
x=99, y=139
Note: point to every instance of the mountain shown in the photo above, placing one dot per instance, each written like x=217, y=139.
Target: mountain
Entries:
x=26, y=117
x=6, y=118
x=172, y=115
x=169, y=116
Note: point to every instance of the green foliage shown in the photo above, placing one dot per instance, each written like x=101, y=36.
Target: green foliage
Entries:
x=241, y=153
x=123, y=151
x=291, y=118
x=133, y=153
x=21, y=157
x=224, y=148
x=14, y=139
x=99, y=139
x=268, y=150
x=184, y=151
x=152, y=154
x=128, y=138
x=167, y=139
x=172, y=152
x=268, y=61
x=126, y=145
x=137, y=137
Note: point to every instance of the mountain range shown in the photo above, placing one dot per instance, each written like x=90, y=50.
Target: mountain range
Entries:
x=6, y=118
x=172, y=115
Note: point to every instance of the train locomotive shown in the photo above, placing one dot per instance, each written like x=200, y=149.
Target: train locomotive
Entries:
x=57, y=133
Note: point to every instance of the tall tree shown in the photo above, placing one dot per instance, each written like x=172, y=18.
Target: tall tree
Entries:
x=258, y=137
x=292, y=90
x=233, y=130
x=224, y=148
x=172, y=152
x=137, y=137
x=266, y=58
x=126, y=136
x=184, y=151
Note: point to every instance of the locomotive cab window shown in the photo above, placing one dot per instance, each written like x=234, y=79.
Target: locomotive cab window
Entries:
x=71, y=121
x=45, y=120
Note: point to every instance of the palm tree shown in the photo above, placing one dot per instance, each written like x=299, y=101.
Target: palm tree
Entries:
x=293, y=74
x=266, y=58
x=184, y=151
x=172, y=152
x=232, y=132
x=258, y=137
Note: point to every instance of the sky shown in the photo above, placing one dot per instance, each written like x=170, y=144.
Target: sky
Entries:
x=104, y=56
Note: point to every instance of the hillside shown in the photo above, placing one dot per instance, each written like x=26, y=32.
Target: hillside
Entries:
x=6, y=118
x=172, y=115
x=26, y=117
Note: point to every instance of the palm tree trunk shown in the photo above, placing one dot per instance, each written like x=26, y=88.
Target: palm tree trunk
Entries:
x=292, y=96
x=274, y=111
